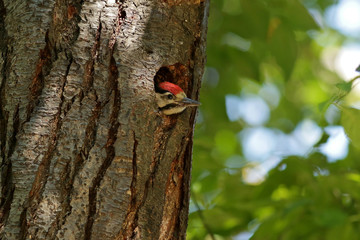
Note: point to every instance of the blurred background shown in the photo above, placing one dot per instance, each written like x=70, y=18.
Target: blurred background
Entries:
x=276, y=146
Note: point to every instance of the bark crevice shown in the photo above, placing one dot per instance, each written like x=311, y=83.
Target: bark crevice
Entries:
x=109, y=147
x=81, y=157
x=173, y=196
x=138, y=198
x=120, y=17
x=37, y=83
x=89, y=67
x=128, y=229
x=7, y=186
x=35, y=194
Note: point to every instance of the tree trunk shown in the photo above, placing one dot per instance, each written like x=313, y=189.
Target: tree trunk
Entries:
x=85, y=153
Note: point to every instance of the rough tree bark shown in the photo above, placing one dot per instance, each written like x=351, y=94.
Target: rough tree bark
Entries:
x=84, y=152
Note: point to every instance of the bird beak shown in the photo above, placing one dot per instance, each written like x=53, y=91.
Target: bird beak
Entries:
x=189, y=102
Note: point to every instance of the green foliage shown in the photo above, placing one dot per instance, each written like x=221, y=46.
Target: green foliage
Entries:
x=272, y=50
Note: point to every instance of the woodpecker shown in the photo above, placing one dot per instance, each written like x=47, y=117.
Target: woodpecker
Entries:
x=171, y=99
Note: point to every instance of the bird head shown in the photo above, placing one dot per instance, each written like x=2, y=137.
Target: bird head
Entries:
x=171, y=99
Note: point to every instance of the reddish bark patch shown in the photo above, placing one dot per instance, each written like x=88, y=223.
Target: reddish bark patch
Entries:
x=173, y=199
x=71, y=12
x=37, y=82
x=181, y=74
x=89, y=67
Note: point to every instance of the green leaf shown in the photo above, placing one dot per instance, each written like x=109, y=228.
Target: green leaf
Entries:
x=294, y=13
x=323, y=106
x=225, y=142
x=345, y=86
x=330, y=217
x=350, y=120
x=299, y=17
x=283, y=47
x=253, y=20
x=358, y=69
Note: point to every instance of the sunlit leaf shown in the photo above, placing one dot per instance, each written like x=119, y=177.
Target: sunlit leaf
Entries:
x=354, y=177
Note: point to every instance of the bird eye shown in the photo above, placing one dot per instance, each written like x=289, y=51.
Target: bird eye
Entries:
x=170, y=96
